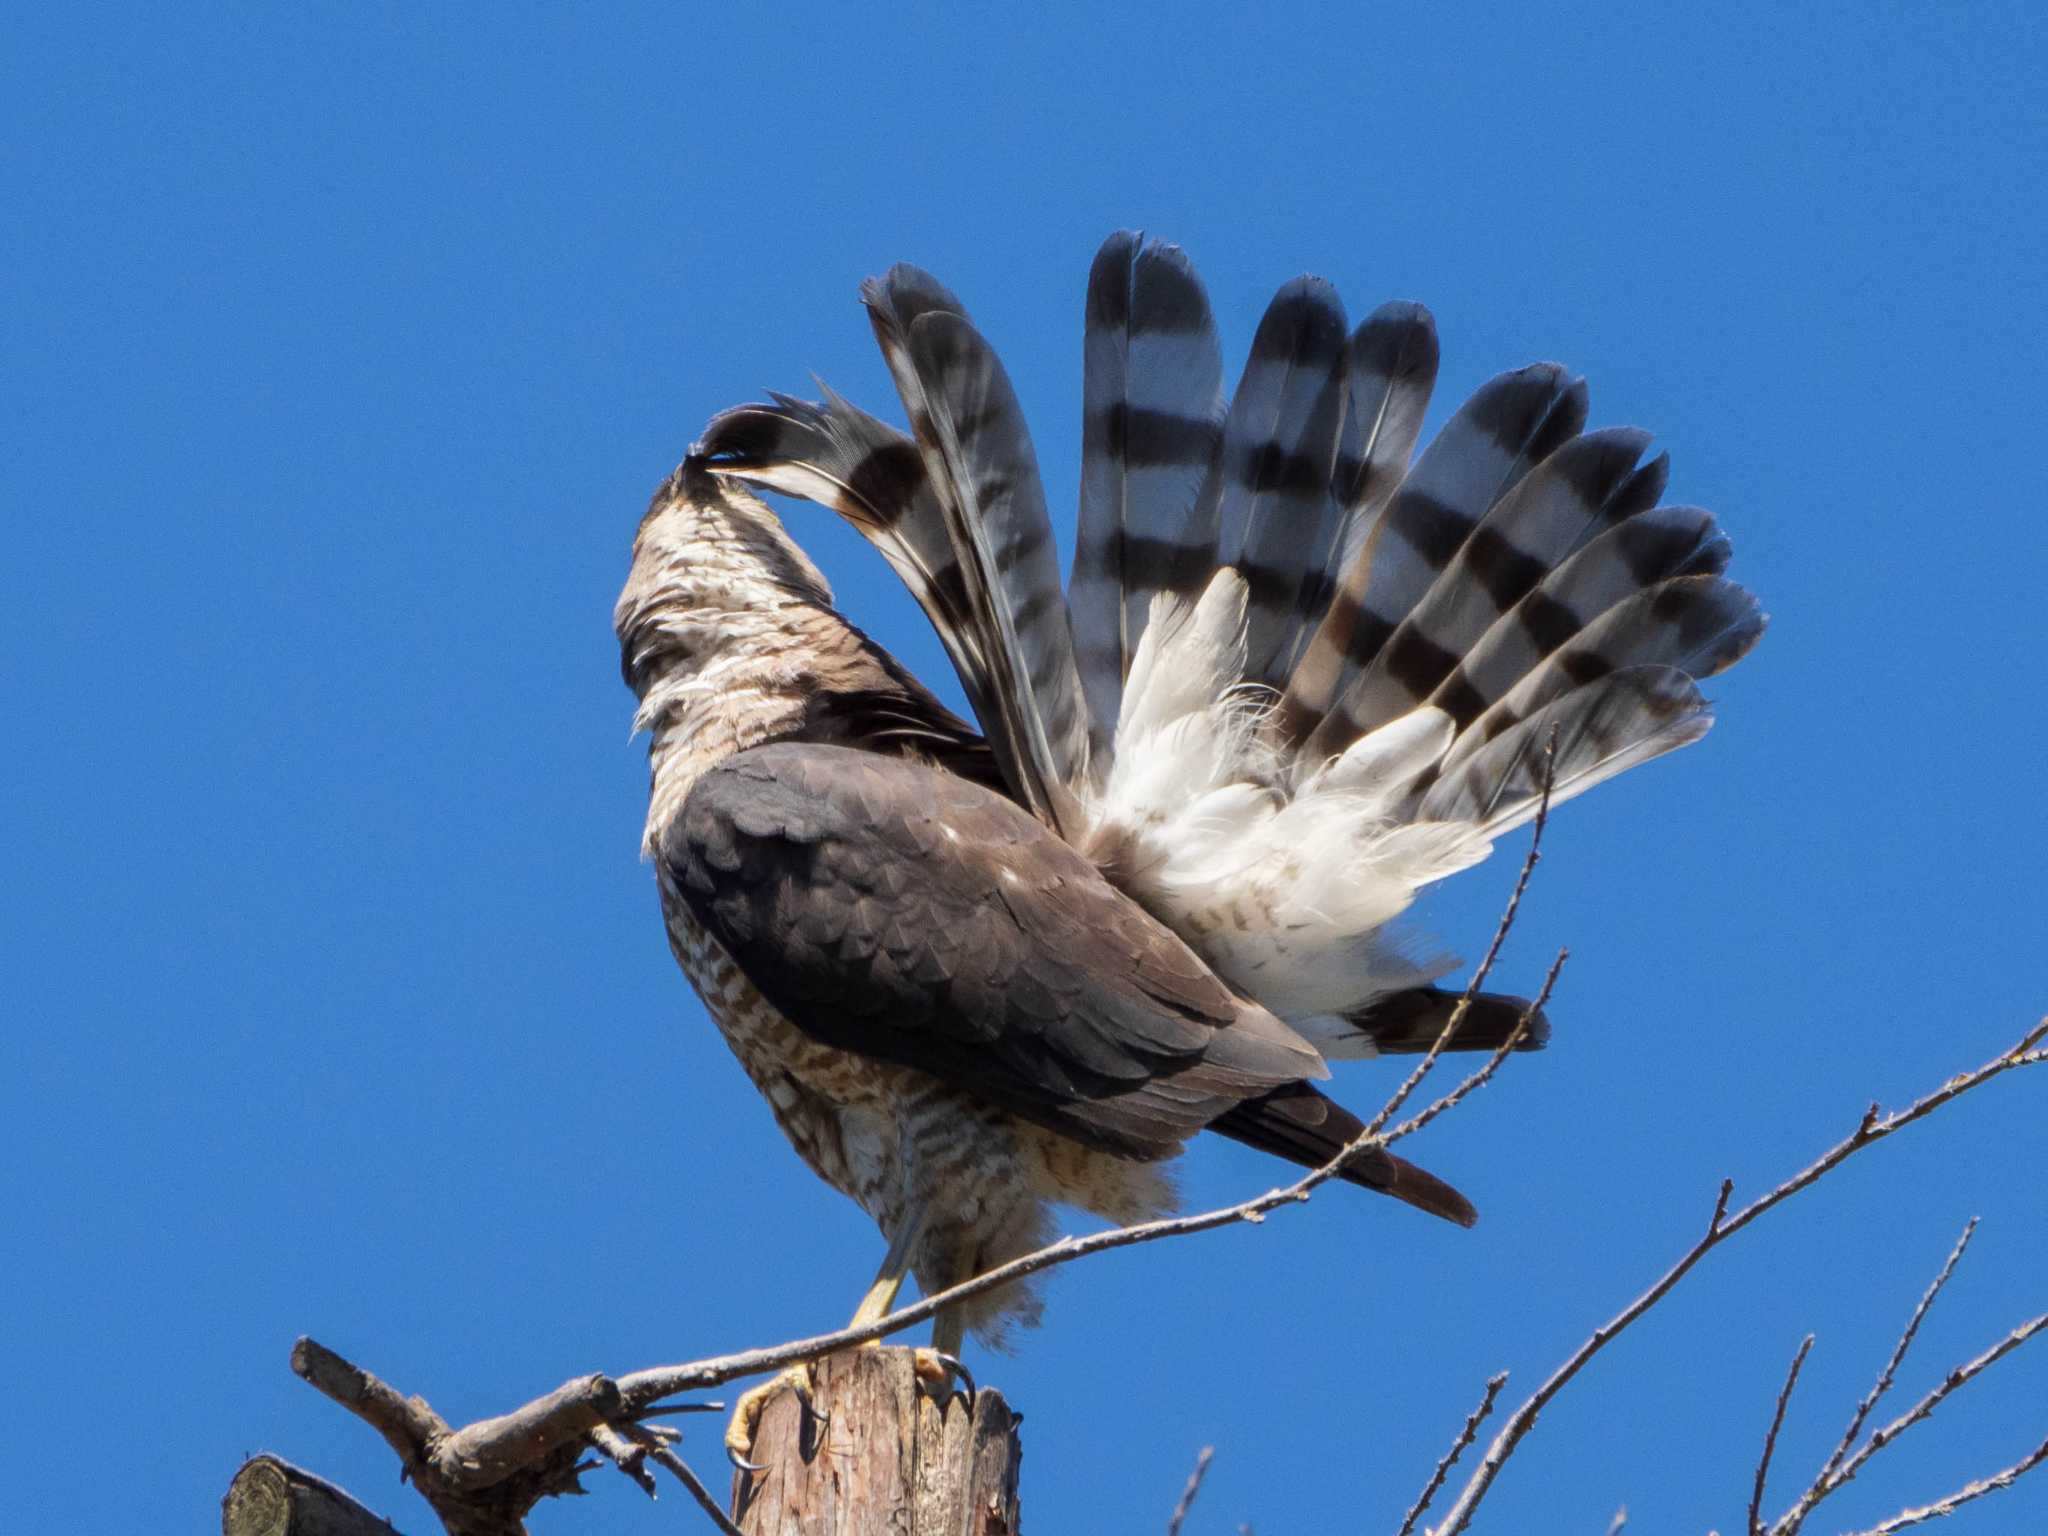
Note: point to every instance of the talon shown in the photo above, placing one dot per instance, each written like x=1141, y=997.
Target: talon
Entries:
x=746, y=1413
x=954, y=1364
x=938, y=1369
x=740, y=1461
x=802, y=1389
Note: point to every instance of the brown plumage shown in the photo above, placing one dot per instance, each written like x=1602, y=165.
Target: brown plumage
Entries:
x=952, y=1014
x=1293, y=679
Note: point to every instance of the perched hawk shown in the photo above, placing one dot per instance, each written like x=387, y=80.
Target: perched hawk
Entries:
x=978, y=972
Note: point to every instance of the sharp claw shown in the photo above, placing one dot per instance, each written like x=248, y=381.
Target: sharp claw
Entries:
x=741, y=1462
x=954, y=1364
x=810, y=1403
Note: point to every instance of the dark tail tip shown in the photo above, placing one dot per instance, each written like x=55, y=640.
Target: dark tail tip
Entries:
x=1420, y=1188
x=1297, y=1122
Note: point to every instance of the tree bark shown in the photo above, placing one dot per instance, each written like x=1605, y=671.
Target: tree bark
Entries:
x=890, y=1460
x=270, y=1497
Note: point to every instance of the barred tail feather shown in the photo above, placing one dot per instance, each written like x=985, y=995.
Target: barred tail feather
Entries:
x=1509, y=551
x=1646, y=549
x=1411, y=1021
x=1495, y=438
x=1152, y=415
x=840, y=457
x=1391, y=372
x=1394, y=355
x=1599, y=730
x=980, y=461
x=1693, y=625
x=1275, y=518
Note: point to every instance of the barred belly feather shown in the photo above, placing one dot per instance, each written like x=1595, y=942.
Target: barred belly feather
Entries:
x=880, y=1134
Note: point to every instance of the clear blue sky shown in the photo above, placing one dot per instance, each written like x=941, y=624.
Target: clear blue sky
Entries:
x=341, y=352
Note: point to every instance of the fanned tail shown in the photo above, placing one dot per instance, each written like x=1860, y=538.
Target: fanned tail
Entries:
x=1515, y=606
x=1305, y=676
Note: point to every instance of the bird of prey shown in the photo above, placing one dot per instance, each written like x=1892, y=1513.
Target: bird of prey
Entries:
x=982, y=970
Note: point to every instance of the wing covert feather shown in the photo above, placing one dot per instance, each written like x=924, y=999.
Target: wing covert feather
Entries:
x=896, y=911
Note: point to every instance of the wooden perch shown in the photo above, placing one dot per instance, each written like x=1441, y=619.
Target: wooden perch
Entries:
x=882, y=1455
x=885, y=1459
x=271, y=1497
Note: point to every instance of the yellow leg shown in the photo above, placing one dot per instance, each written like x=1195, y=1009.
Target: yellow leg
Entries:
x=879, y=1302
x=880, y=1299
x=949, y=1331
x=937, y=1366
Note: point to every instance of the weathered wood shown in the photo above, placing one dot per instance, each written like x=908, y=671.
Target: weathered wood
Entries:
x=481, y=1480
x=891, y=1461
x=271, y=1497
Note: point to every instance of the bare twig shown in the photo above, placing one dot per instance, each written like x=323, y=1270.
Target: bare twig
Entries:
x=1963, y=1495
x=1880, y=1438
x=682, y=1473
x=629, y=1456
x=1898, y=1355
x=1873, y=1127
x=1478, y=1079
x=1450, y=1458
x=1763, y=1464
x=1501, y=930
x=1720, y=1206
x=1187, y=1494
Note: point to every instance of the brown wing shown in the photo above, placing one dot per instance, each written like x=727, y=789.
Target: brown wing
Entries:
x=892, y=909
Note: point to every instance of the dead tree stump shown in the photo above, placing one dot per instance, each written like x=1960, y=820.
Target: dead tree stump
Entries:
x=271, y=1497
x=890, y=1462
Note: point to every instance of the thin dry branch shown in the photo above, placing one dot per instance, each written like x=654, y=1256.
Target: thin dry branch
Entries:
x=1833, y=1473
x=680, y=1470
x=1187, y=1495
x=1898, y=1355
x=1873, y=1127
x=1450, y=1458
x=1962, y=1495
x=1763, y=1463
x=1477, y=1080
x=408, y=1425
x=629, y=1455
x=1501, y=930
x=1918, y=1413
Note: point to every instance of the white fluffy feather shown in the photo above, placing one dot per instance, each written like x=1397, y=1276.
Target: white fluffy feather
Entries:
x=1283, y=893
